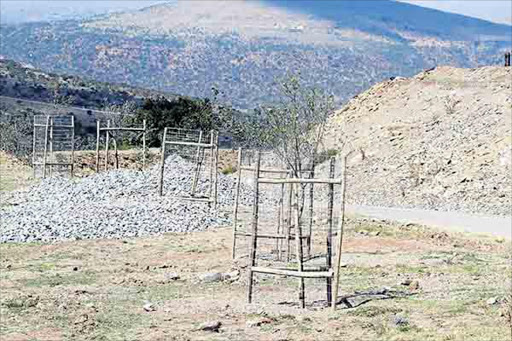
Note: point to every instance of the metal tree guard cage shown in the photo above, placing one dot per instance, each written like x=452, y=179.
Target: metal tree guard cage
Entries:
x=323, y=261
x=277, y=234
x=53, y=145
x=109, y=132
x=196, y=154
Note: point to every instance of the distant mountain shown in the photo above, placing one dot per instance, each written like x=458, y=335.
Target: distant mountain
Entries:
x=242, y=47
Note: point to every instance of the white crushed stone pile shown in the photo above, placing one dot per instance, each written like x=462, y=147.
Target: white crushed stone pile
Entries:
x=116, y=204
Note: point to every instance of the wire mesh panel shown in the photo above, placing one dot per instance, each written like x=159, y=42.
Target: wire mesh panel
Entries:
x=53, y=145
x=191, y=156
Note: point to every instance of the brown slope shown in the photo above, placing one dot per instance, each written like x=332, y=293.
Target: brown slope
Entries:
x=440, y=140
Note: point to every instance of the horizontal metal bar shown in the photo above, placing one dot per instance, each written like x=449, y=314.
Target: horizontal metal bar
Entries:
x=194, y=144
x=54, y=126
x=293, y=273
x=300, y=181
x=194, y=199
x=52, y=164
x=122, y=129
x=266, y=170
x=269, y=236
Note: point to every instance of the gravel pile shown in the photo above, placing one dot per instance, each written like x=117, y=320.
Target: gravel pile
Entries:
x=439, y=141
x=116, y=204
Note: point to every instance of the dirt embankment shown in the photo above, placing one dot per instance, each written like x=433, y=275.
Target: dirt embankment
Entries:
x=440, y=140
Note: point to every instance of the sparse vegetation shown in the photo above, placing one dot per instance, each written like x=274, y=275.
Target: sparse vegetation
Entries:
x=229, y=169
x=67, y=293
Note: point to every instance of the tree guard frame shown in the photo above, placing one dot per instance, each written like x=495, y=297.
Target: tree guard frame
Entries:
x=107, y=130
x=284, y=218
x=212, y=146
x=54, y=126
x=331, y=272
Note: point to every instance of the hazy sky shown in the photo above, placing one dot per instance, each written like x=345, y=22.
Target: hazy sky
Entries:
x=35, y=10
x=492, y=10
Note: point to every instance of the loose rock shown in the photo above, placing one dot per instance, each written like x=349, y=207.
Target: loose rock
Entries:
x=211, y=326
x=211, y=277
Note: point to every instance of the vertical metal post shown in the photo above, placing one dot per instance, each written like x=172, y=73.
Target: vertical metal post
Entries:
x=330, y=208
x=45, y=145
x=34, y=148
x=311, y=200
x=280, y=213
x=215, y=171
x=51, y=146
x=98, y=133
x=254, y=232
x=237, y=196
x=340, y=234
x=144, y=145
x=72, y=145
x=210, y=186
x=298, y=243
x=162, y=165
x=198, y=165
x=289, y=220
x=116, y=154
x=107, y=145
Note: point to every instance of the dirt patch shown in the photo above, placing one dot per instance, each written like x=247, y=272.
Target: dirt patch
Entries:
x=100, y=290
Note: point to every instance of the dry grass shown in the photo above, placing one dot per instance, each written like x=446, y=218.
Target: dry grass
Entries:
x=96, y=290
x=13, y=173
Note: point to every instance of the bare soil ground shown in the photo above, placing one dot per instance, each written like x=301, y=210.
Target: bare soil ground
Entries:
x=97, y=289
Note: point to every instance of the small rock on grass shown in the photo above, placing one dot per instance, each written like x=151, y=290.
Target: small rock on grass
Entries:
x=210, y=326
x=149, y=307
x=492, y=301
x=399, y=320
x=171, y=276
x=211, y=277
x=414, y=285
x=406, y=282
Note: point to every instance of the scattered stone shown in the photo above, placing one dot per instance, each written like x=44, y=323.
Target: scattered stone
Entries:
x=211, y=326
x=406, y=282
x=108, y=205
x=231, y=276
x=171, y=276
x=414, y=285
x=149, y=307
x=492, y=301
x=211, y=277
x=434, y=262
x=400, y=320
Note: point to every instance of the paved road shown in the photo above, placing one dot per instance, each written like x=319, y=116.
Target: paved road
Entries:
x=498, y=226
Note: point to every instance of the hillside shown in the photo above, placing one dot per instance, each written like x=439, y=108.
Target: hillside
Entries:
x=24, y=81
x=439, y=140
x=241, y=47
